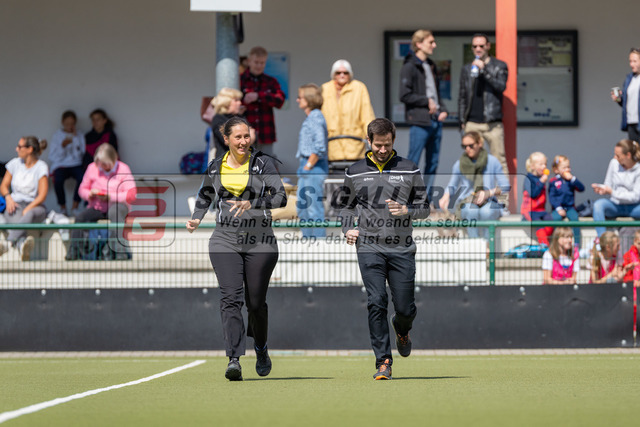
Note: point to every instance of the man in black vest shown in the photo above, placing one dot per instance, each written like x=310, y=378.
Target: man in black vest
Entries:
x=382, y=194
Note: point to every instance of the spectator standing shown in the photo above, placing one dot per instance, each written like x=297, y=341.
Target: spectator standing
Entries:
x=347, y=110
x=561, y=262
x=621, y=184
x=65, y=160
x=562, y=188
x=629, y=97
x=424, y=109
x=313, y=168
x=262, y=94
x=226, y=104
x=24, y=186
x=101, y=132
x=244, y=185
x=381, y=228
x=477, y=179
x=482, y=83
x=108, y=187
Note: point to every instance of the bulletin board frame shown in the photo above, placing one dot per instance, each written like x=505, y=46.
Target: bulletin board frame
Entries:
x=547, y=74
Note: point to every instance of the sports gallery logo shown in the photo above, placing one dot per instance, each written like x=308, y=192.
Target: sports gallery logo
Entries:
x=148, y=219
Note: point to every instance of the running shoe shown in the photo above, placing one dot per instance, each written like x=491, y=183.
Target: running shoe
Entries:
x=263, y=362
x=403, y=342
x=384, y=371
x=234, y=370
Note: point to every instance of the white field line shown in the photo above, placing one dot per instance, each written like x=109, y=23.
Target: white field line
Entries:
x=6, y=416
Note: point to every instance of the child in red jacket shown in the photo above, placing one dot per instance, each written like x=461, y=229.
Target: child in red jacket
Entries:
x=631, y=261
x=534, y=195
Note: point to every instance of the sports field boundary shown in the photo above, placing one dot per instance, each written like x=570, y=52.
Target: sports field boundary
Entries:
x=6, y=416
x=319, y=353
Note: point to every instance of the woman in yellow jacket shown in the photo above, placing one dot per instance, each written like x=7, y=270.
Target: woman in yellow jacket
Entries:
x=347, y=110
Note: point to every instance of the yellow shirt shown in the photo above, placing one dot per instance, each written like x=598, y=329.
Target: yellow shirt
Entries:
x=235, y=180
x=380, y=166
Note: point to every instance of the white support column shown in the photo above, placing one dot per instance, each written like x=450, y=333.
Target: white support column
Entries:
x=226, y=52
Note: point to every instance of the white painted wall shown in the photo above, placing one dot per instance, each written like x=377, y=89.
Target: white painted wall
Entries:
x=149, y=62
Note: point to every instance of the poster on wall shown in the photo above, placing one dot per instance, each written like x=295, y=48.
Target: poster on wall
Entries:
x=278, y=67
x=547, y=74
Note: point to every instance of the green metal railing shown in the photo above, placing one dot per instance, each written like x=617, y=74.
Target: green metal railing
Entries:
x=492, y=227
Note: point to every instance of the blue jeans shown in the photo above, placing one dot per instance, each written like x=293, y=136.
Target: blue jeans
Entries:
x=310, y=204
x=605, y=208
x=488, y=212
x=572, y=215
x=426, y=138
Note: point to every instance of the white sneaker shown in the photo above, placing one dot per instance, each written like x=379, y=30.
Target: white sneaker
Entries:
x=4, y=248
x=50, y=217
x=27, y=247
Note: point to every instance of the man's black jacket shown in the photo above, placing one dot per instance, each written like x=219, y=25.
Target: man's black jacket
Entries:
x=495, y=75
x=362, y=200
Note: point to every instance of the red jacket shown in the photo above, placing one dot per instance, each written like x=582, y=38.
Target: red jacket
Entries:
x=537, y=203
x=632, y=256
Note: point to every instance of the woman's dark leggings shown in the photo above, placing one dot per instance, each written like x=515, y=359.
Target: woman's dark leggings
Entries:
x=243, y=277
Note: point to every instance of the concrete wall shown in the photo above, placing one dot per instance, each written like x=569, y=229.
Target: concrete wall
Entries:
x=148, y=63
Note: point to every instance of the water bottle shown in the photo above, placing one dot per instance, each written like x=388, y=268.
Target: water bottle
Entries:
x=475, y=71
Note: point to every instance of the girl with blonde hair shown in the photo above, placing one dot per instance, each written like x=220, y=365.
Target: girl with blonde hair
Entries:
x=226, y=104
x=604, y=262
x=561, y=263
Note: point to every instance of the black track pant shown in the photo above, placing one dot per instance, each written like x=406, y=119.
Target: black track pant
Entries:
x=398, y=268
x=243, y=277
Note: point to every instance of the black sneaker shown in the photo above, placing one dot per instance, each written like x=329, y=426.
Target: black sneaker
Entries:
x=403, y=342
x=263, y=362
x=234, y=370
x=384, y=371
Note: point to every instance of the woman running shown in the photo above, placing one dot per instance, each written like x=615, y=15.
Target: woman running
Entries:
x=245, y=186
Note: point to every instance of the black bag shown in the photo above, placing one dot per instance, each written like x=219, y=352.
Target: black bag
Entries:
x=585, y=209
x=96, y=246
x=193, y=163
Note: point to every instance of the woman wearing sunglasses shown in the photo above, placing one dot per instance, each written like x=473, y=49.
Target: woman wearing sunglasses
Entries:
x=347, y=110
x=24, y=188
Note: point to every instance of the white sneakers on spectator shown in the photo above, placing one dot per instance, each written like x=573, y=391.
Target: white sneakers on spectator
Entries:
x=4, y=248
x=58, y=218
x=27, y=248
x=25, y=251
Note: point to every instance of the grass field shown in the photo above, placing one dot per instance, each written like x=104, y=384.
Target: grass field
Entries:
x=512, y=390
